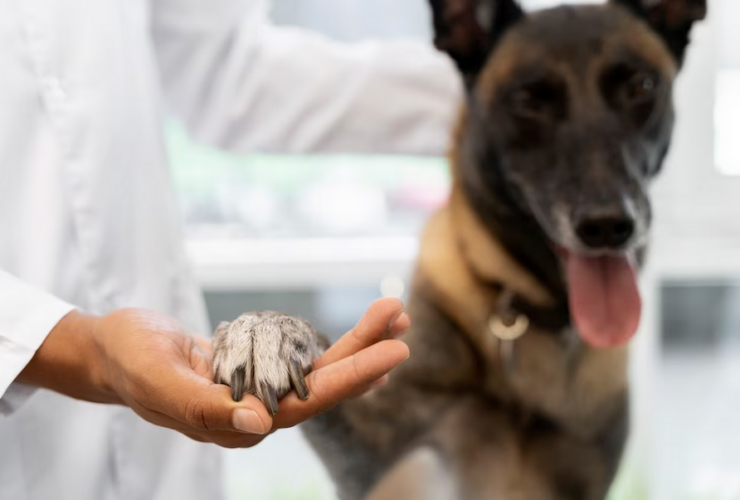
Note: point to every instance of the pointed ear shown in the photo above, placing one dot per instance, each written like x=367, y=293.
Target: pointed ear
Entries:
x=469, y=29
x=672, y=19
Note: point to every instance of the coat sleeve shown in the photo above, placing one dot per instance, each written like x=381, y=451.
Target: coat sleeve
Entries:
x=239, y=82
x=27, y=315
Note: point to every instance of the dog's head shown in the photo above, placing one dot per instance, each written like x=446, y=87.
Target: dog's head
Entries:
x=569, y=117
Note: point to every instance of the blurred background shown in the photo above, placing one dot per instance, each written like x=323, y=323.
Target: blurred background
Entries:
x=262, y=237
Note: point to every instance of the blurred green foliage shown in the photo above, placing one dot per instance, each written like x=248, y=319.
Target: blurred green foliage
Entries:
x=196, y=168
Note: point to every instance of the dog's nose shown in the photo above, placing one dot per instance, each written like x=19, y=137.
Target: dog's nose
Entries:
x=605, y=232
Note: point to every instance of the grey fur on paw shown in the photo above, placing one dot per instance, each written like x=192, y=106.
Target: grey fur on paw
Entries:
x=265, y=354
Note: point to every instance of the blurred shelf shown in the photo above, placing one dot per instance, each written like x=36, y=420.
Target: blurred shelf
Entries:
x=296, y=264
x=299, y=264
x=708, y=257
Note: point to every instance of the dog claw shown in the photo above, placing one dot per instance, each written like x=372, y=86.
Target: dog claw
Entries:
x=269, y=398
x=299, y=382
x=237, y=385
x=265, y=355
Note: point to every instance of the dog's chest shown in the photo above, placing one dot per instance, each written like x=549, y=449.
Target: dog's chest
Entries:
x=568, y=382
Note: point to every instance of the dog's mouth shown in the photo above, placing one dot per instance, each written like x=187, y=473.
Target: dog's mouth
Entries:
x=597, y=256
x=603, y=296
x=597, y=253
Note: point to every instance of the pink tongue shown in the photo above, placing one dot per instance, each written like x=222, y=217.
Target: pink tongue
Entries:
x=604, y=299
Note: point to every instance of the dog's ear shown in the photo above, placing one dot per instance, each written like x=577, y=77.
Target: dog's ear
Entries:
x=672, y=19
x=469, y=29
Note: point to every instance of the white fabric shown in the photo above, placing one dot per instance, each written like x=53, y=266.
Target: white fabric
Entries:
x=26, y=315
x=86, y=208
x=245, y=84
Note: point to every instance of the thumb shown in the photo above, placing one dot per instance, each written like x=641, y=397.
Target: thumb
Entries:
x=205, y=406
x=343, y=379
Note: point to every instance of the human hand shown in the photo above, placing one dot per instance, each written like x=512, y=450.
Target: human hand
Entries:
x=146, y=361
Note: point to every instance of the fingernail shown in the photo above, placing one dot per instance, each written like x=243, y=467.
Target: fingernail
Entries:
x=247, y=421
x=393, y=320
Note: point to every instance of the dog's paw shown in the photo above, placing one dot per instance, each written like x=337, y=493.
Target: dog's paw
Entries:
x=265, y=354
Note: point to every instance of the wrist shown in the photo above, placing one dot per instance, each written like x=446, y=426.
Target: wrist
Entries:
x=71, y=362
x=98, y=369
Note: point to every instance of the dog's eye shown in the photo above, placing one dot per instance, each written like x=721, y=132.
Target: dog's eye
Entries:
x=640, y=88
x=538, y=100
x=523, y=101
x=628, y=87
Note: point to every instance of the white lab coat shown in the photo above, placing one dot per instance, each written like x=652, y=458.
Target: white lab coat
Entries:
x=87, y=214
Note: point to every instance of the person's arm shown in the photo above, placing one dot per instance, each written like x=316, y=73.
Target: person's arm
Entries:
x=27, y=315
x=146, y=361
x=241, y=83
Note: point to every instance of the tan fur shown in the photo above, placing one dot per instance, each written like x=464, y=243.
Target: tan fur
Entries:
x=458, y=260
x=513, y=52
x=455, y=273
x=481, y=452
x=457, y=421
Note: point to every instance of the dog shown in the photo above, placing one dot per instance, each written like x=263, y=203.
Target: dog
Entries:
x=525, y=292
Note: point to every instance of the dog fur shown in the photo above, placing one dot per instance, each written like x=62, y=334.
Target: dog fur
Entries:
x=265, y=354
x=554, y=425
x=568, y=112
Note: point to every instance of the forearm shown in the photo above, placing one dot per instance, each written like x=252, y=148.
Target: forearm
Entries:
x=247, y=85
x=70, y=362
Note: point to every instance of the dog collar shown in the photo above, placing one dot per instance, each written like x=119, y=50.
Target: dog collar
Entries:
x=514, y=315
x=510, y=322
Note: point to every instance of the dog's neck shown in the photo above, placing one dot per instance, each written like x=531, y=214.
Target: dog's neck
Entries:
x=466, y=269
x=488, y=258
x=522, y=239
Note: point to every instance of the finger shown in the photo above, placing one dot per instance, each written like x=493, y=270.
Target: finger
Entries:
x=204, y=406
x=341, y=380
x=374, y=326
x=225, y=439
x=362, y=390
x=231, y=440
x=201, y=355
x=402, y=324
x=206, y=345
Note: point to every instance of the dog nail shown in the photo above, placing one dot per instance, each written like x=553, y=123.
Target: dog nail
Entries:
x=299, y=383
x=247, y=421
x=269, y=398
x=237, y=384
